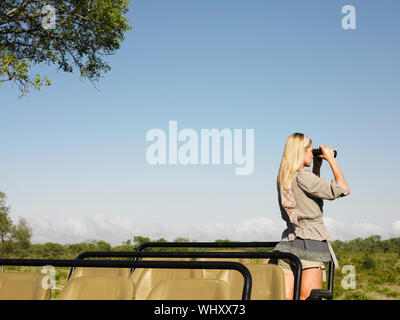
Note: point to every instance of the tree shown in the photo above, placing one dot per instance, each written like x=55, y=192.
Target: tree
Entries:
x=23, y=234
x=6, y=228
x=12, y=237
x=51, y=250
x=72, y=34
x=181, y=239
x=139, y=240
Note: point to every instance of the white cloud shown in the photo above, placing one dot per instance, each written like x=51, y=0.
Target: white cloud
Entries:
x=395, y=229
x=115, y=229
x=348, y=231
x=256, y=229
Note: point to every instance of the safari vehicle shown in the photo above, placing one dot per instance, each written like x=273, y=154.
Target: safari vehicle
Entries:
x=218, y=274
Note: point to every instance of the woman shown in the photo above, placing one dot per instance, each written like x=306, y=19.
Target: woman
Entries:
x=301, y=193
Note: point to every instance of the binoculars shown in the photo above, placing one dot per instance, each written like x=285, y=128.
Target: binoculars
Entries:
x=318, y=152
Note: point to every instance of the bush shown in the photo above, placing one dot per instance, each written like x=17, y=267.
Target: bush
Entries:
x=368, y=263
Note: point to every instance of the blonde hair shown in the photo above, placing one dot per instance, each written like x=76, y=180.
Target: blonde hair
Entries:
x=292, y=158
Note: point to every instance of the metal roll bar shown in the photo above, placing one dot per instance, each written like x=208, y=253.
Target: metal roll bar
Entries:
x=165, y=254
x=315, y=294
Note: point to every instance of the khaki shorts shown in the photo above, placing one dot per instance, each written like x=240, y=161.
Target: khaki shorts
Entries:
x=285, y=265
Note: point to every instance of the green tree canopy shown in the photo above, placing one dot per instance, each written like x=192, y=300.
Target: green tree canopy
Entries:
x=71, y=34
x=12, y=237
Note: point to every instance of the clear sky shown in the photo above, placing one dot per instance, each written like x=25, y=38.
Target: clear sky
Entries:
x=73, y=157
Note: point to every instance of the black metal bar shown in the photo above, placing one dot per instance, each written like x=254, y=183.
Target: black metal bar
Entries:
x=165, y=254
x=180, y=254
x=253, y=244
x=330, y=278
x=140, y=264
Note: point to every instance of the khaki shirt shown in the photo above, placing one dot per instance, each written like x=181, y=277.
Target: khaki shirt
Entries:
x=309, y=191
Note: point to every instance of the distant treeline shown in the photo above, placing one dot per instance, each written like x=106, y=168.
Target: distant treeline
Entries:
x=51, y=250
x=370, y=246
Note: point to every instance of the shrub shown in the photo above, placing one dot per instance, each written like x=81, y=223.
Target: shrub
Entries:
x=368, y=263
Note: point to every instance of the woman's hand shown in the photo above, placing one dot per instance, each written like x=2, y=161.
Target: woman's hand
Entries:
x=327, y=153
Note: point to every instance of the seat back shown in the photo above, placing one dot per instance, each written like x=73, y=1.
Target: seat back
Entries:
x=23, y=286
x=190, y=289
x=215, y=273
x=268, y=282
x=112, y=272
x=138, y=271
x=98, y=288
x=146, y=279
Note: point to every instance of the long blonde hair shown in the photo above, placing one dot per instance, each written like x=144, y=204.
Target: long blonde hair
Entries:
x=292, y=158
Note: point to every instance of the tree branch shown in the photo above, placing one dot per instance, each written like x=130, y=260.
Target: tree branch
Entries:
x=20, y=8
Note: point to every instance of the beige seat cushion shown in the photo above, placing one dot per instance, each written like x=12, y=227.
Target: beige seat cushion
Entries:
x=23, y=286
x=214, y=273
x=98, y=288
x=190, y=289
x=268, y=282
x=146, y=279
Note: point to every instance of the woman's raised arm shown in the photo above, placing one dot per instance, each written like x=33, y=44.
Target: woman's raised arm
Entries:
x=328, y=155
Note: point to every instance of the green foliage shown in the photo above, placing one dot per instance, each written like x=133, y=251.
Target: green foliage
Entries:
x=180, y=239
x=13, y=237
x=126, y=246
x=17, y=71
x=377, y=267
x=139, y=240
x=368, y=263
x=51, y=250
x=85, y=31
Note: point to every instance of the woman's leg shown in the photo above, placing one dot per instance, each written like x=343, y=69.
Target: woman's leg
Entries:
x=289, y=281
x=311, y=279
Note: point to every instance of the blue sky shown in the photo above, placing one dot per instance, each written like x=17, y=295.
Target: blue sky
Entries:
x=72, y=156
